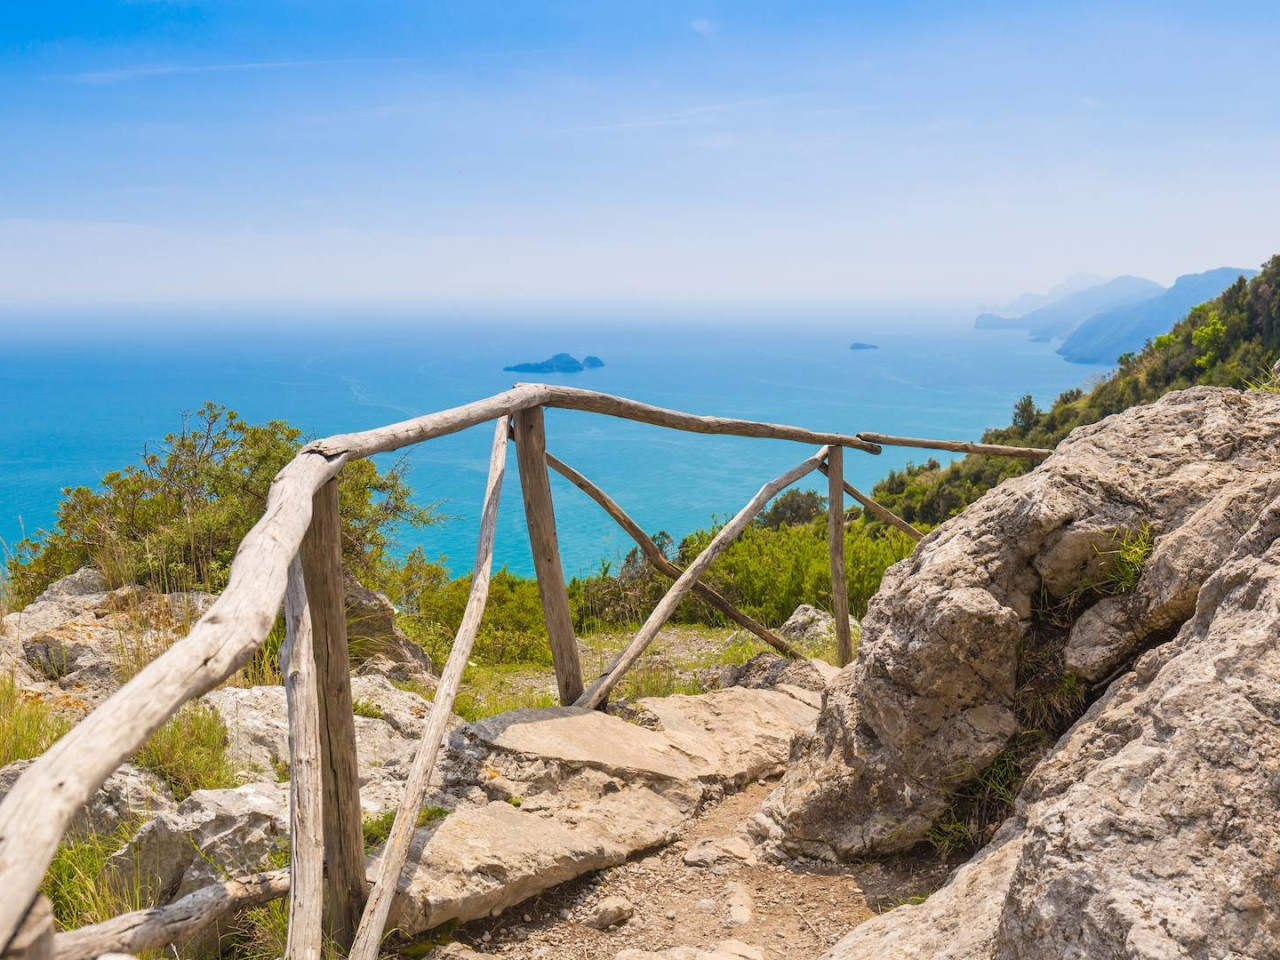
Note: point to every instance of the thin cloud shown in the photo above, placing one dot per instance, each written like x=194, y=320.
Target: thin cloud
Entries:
x=702, y=26
x=149, y=71
x=694, y=115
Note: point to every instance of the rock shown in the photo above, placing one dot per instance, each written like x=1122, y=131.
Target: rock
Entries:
x=769, y=671
x=739, y=734
x=84, y=582
x=587, y=792
x=80, y=638
x=258, y=734
x=610, y=911
x=1150, y=830
x=930, y=700
x=813, y=626
x=741, y=904
x=212, y=835
x=378, y=646
x=451, y=951
x=709, y=851
x=129, y=794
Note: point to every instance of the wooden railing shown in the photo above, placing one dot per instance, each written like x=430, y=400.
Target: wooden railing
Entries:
x=292, y=557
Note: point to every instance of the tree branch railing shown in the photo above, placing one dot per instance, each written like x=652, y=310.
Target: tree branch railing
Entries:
x=290, y=558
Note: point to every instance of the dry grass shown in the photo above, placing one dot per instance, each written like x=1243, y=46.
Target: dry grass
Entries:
x=28, y=724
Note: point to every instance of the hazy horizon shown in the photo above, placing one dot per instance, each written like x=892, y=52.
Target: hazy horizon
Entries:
x=522, y=155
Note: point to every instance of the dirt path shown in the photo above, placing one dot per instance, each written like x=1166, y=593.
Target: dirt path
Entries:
x=793, y=911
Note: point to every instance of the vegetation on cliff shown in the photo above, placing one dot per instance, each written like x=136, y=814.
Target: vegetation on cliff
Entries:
x=1230, y=341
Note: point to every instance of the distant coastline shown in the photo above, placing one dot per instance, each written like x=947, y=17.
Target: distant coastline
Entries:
x=560, y=363
x=859, y=345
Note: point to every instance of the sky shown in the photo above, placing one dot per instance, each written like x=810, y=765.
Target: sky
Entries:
x=523, y=154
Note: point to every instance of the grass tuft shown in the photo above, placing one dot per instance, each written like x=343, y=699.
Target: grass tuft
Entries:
x=189, y=752
x=28, y=725
x=80, y=884
x=377, y=829
x=367, y=708
x=1129, y=553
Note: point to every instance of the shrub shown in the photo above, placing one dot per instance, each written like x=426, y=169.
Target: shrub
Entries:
x=174, y=521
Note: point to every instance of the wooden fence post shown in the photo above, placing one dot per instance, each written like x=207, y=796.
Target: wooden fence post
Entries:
x=835, y=537
x=306, y=780
x=599, y=689
x=34, y=939
x=340, y=807
x=531, y=454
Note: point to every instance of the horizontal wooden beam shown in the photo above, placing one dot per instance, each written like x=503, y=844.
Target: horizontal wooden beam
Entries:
x=572, y=398
x=176, y=922
x=957, y=446
x=439, y=424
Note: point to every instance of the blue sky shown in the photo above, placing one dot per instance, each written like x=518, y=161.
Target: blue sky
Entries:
x=209, y=153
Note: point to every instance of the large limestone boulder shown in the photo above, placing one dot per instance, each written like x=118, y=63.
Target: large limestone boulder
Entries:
x=79, y=638
x=933, y=695
x=546, y=795
x=1151, y=829
x=129, y=795
x=388, y=725
x=211, y=835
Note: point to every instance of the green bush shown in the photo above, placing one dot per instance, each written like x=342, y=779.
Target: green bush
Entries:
x=767, y=572
x=174, y=521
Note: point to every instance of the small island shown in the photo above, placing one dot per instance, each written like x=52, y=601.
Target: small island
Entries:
x=859, y=345
x=560, y=363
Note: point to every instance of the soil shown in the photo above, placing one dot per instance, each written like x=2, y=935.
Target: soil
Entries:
x=796, y=910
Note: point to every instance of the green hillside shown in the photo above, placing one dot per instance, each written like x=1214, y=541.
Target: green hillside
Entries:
x=1231, y=341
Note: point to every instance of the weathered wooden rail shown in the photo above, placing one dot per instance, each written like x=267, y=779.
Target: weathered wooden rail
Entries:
x=291, y=558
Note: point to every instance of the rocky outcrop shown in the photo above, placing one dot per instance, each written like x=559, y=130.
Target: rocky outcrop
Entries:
x=938, y=687
x=212, y=835
x=551, y=794
x=78, y=637
x=1151, y=829
x=129, y=796
x=387, y=729
x=377, y=645
x=812, y=626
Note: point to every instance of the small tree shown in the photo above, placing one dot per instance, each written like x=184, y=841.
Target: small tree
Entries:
x=174, y=520
x=1025, y=414
x=793, y=508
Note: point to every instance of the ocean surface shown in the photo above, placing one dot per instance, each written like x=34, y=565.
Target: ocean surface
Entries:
x=75, y=407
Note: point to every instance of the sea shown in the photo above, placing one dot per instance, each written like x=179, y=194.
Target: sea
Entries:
x=82, y=397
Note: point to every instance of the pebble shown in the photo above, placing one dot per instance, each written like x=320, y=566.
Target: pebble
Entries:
x=610, y=911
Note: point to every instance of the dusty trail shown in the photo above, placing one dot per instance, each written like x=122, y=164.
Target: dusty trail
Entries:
x=793, y=911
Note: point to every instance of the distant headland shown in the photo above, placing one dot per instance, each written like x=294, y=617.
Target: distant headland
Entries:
x=859, y=345
x=560, y=363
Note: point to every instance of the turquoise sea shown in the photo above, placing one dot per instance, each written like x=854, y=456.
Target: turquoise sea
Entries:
x=77, y=404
